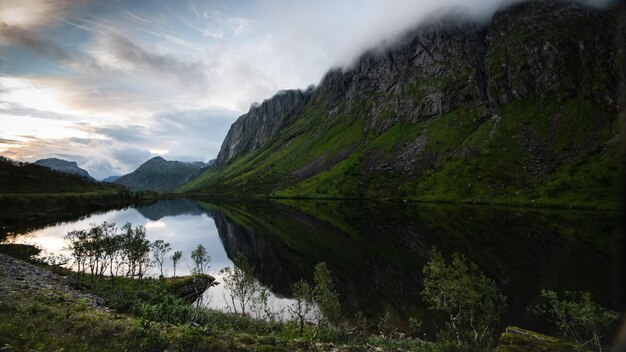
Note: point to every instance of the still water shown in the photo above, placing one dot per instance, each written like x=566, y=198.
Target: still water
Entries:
x=376, y=251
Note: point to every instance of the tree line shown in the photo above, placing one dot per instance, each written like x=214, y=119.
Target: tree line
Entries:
x=106, y=250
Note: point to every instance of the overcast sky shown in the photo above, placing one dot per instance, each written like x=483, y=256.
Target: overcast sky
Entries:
x=109, y=84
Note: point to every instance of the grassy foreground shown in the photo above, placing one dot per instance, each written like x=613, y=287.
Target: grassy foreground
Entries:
x=40, y=311
x=36, y=316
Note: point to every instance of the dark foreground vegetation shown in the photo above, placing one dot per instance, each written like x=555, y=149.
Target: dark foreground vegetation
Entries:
x=48, y=196
x=125, y=309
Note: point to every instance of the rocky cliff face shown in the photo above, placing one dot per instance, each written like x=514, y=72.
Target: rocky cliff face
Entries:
x=262, y=123
x=523, y=108
x=553, y=50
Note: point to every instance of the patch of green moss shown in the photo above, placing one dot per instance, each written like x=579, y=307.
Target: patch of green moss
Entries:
x=515, y=339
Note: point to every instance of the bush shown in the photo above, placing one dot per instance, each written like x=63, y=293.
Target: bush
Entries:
x=470, y=299
x=579, y=317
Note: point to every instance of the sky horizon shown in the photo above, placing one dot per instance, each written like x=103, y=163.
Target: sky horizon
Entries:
x=112, y=84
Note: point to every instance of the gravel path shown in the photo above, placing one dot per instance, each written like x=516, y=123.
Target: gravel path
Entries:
x=20, y=275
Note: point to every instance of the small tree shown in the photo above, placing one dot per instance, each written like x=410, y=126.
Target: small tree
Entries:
x=240, y=283
x=261, y=306
x=578, y=317
x=327, y=299
x=462, y=291
x=302, y=294
x=135, y=250
x=201, y=259
x=160, y=249
x=175, y=259
x=76, y=244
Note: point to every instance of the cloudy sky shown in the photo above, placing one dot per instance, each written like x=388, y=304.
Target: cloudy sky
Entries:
x=109, y=84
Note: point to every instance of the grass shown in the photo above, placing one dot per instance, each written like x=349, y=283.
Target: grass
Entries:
x=47, y=319
x=533, y=155
x=51, y=320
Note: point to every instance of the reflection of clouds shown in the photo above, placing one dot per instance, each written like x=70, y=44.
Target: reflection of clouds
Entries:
x=155, y=224
x=183, y=232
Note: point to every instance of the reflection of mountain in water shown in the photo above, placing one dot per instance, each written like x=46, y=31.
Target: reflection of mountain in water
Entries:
x=170, y=207
x=376, y=252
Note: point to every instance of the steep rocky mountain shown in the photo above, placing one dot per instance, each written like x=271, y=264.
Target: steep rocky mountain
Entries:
x=523, y=109
x=69, y=167
x=160, y=175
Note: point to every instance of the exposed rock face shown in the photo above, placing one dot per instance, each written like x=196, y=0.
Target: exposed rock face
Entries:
x=551, y=49
x=531, y=93
x=69, y=167
x=430, y=71
x=261, y=124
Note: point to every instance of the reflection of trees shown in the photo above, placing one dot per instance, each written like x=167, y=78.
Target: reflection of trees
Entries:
x=376, y=251
x=19, y=223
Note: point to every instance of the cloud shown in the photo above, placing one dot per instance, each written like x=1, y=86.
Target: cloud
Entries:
x=18, y=36
x=186, y=73
x=36, y=13
x=130, y=156
x=7, y=141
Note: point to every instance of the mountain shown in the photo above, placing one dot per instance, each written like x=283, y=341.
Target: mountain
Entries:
x=521, y=110
x=26, y=178
x=110, y=179
x=160, y=175
x=69, y=167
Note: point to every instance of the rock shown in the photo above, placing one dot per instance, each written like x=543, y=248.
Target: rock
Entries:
x=515, y=339
x=263, y=122
x=190, y=288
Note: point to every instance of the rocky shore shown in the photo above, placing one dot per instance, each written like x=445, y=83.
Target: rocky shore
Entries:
x=19, y=275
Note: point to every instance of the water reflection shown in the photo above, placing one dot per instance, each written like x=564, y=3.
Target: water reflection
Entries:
x=376, y=251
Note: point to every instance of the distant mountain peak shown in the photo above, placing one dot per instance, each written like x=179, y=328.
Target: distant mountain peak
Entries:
x=70, y=167
x=160, y=175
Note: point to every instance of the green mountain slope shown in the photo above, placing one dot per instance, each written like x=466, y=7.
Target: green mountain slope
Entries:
x=521, y=111
x=28, y=179
x=160, y=175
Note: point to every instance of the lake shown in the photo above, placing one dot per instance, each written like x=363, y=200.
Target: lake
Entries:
x=376, y=250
